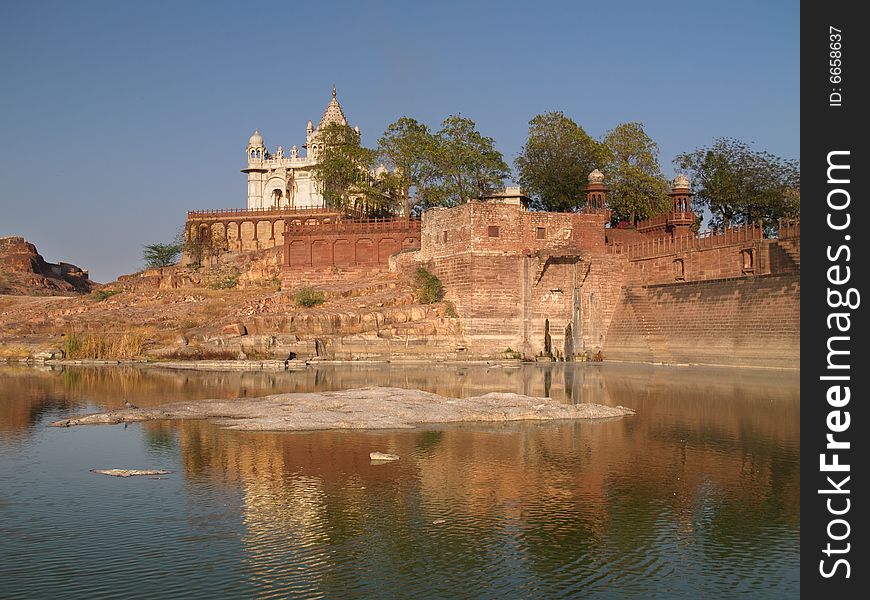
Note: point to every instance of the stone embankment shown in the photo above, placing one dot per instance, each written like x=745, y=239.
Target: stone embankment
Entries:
x=366, y=408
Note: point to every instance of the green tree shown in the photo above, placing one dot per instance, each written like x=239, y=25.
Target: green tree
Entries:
x=161, y=255
x=408, y=148
x=465, y=164
x=555, y=162
x=344, y=167
x=740, y=185
x=638, y=190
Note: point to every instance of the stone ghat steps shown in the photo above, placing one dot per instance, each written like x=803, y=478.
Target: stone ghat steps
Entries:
x=339, y=322
x=652, y=332
x=792, y=249
x=358, y=298
x=785, y=256
x=752, y=321
x=437, y=338
x=432, y=336
x=295, y=279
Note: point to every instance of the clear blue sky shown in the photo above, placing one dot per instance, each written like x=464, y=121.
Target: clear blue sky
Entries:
x=117, y=117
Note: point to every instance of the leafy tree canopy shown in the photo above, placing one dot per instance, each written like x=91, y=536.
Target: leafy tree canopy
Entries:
x=446, y=168
x=344, y=168
x=408, y=148
x=161, y=255
x=555, y=162
x=467, y=162
x=740, y=185
x=638, y=190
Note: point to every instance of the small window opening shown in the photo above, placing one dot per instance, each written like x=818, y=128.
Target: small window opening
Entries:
x=679, y=269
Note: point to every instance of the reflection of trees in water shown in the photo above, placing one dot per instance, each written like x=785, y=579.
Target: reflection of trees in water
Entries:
x=617, y=493
x=708, y=467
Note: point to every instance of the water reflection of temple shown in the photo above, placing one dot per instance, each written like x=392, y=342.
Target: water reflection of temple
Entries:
x=711, y=453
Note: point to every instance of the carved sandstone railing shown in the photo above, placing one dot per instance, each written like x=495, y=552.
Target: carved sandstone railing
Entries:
x=355, y=226
x=700, y=241
x=789, y=228
x=271, y=212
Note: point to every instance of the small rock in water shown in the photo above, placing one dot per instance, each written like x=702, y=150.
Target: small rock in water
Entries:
x=439, y=521
x=381, y=456
x=130, y=472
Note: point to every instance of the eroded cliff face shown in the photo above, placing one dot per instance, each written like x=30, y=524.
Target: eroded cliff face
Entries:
x=24, y=272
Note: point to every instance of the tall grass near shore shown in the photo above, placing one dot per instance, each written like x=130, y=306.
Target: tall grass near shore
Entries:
x=103, y=346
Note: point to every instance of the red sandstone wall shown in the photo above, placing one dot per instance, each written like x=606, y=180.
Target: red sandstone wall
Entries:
x=506, y=300
x=440, y=224
x=768, y=256
x=749, y=321
x=519, y=231
x=603, y=289
x=702, y=265
x=236, y=237
x=540, y=267
x=345, y=250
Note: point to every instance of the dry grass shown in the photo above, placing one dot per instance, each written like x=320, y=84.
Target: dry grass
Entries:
x=201, y=353
x=188, y=323
x=13, y=352
x=104, y=346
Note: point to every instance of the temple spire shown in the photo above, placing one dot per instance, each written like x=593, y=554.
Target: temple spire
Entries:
x=333, y=112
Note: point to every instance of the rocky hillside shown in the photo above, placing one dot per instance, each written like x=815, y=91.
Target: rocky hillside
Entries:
x=234, y=310
x=23, y=272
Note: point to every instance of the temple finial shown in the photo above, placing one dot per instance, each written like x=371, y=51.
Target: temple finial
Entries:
x=333, y=91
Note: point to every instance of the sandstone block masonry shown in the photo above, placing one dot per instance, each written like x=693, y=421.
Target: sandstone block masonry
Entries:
x=736, y=252
x=748, y=321
x=547, y=283
x=514, y=274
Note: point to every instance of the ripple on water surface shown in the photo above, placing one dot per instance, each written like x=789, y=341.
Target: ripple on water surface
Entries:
x=695, y=495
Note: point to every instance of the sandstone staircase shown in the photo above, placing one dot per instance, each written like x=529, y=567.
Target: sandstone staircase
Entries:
x=785, y=256
x=638, y=299
x=792, y=249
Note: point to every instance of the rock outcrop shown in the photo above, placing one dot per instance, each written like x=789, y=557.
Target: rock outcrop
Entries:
x=23, y=271
x=365, y=408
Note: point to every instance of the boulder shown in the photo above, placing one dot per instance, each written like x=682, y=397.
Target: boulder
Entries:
x=235, y=329
x=48, y=354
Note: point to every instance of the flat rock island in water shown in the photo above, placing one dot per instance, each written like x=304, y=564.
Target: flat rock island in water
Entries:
x=366, y=408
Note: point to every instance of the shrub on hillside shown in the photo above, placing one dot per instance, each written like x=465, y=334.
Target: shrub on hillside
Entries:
x=428, y=287
x=101, y=295
x=309, y=297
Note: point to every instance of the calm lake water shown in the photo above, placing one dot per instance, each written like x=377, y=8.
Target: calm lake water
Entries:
x=695, y=496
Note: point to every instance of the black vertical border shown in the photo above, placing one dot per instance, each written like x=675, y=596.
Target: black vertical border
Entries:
x=826, y=128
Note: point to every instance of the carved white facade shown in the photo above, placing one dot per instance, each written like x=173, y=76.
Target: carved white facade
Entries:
x=284, y=179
